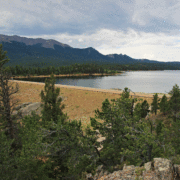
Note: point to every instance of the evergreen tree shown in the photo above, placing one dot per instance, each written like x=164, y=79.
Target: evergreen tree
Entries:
x=127, y=137
x=175, y=101
x=17, y=160
x=141, y=109
x=70, y=150
x=51, y=103
x=164, y=105
x=8, y=122
x=126, y=93
x=159, y=127
x=154, y=104
x=144, y=109
x=112, y=129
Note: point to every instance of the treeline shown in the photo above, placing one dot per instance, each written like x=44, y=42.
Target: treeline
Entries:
x=142, y=66
x=72, y=69
x=19, y=70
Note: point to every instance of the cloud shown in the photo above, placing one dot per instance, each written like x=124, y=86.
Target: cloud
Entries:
x=80, y=40
x=148, y=56
x=137, y=28
x=5, y=19
x=77, y=16
x=157, y=46
x=151, y=12
x=81, y=16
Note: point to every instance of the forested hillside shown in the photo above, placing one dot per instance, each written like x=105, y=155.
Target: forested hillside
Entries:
x=29, y=52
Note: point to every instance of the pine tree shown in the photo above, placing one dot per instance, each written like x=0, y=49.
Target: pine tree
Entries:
x=70, y=151
x=159, y=127
x=128, y=138
x=164, y=105
x=8, y=122
x=154, y=104
x=144, y=109
x=126, y=93
x=51, y=103
x=175, y=101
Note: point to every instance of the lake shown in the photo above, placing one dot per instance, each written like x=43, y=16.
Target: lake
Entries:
x=137, y=81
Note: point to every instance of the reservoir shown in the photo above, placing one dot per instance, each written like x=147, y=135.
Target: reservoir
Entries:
x=137, y=81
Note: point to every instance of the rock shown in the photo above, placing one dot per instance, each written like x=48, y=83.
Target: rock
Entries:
x=31, y=107
x=26, y=108
x=22, y=105
x=62, y=97
x=89, y=177
x=158, y=169
x=147, y=166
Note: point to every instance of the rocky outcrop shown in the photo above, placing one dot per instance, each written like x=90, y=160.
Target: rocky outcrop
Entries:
x=158, y=169
x=25, y=109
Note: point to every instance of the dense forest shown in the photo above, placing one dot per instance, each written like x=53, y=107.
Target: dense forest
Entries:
x=84, y=68
x=72, y=69
x=56, y=148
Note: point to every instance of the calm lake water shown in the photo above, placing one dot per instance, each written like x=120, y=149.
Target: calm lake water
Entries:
x=137, y=81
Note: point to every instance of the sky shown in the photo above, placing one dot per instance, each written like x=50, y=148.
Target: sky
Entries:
x=141, y=29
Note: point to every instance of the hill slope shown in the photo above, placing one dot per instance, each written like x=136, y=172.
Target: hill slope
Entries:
x=28, y=51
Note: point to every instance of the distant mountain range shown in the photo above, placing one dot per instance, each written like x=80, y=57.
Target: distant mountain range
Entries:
x=38, y=52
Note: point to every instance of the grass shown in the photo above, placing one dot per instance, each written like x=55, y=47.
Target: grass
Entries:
x=79, y=103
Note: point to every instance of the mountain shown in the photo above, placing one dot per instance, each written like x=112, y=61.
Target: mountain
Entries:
x=30, y=41
x=38, y=52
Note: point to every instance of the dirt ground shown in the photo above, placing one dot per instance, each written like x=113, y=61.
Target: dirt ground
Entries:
x=81, y=102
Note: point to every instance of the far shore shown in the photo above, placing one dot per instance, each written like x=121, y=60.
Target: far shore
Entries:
x=68, y=75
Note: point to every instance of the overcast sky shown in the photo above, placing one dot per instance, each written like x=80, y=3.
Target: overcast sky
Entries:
x=138, y=28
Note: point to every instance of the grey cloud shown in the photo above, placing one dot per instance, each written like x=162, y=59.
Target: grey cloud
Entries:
x=77, y=17
x=157, y=16
x=68, y=16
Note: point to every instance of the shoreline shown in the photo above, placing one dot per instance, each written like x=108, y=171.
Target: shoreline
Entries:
x=112, y=91
x=81, y=74
x=68, y=75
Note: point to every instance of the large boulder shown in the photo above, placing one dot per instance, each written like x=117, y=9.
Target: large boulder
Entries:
x=158, y=169
x=26, y=108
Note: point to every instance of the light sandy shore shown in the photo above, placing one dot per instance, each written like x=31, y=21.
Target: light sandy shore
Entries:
x=68, y=75
x=113, y=91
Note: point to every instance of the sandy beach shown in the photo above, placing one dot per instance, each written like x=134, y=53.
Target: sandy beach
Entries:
x=113, y=91
x=67, y=75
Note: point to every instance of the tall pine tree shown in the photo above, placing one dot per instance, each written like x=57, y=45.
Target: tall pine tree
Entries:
x=164, y=105
x=144, y=109
x=52, y=107
x=8, y=123
x=155, y=104
x=175, y=101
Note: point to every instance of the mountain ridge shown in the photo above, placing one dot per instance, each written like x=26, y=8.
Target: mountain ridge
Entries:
x=32, y=41
x=25, y=51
